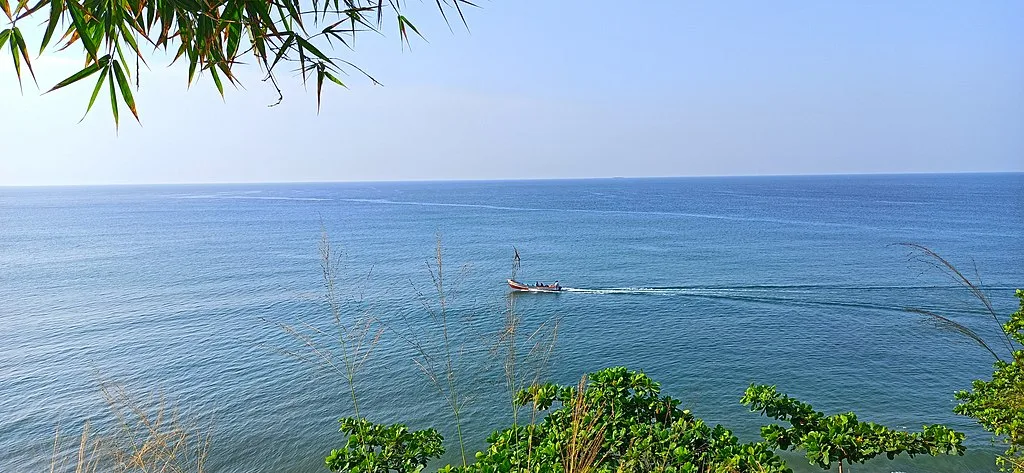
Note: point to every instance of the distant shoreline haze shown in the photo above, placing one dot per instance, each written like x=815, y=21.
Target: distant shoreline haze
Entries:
x=539, y=179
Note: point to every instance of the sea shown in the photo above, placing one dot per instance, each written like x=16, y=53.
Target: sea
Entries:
x=208, y=304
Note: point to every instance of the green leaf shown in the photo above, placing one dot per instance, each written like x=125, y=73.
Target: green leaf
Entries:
x=56, y=8
x=96, y=90
x=130, y=39
x=120, y=53
x=334, y=79
x=234, y=38
x=402, y=23
x=30, y=11
x=20, y=40
x=281, y=52
x=316, y=52
x=3, y=36
x=78, y=20
x=319, y=85
x=82, y=74
x=113, y=98
x=17, y=63
x=192, y=63
x=216, y=80
x=126, y=90
x=293, y=11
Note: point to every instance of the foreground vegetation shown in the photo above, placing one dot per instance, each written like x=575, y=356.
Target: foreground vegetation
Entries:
x=617, y=420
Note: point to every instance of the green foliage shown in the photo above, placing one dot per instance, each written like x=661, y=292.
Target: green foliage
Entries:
x=618, y=421
x=998, y=404
x=212, y=36
x=377, y=448
x=842, y=438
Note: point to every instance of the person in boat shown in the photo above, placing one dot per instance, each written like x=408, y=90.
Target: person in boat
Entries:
x=555, y=285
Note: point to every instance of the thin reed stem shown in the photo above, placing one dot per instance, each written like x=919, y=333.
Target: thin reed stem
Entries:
x=934, y=259
x=930, y=257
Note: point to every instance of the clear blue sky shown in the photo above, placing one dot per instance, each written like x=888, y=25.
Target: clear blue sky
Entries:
x=543, y=89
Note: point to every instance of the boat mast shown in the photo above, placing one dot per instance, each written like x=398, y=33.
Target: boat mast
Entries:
x=515, y=263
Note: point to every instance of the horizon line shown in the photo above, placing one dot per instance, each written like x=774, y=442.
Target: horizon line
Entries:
x=514, y=179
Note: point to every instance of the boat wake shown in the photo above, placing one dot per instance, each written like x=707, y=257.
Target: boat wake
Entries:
x=795, y=295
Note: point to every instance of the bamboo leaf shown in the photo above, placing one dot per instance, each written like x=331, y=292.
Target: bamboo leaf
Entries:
x=402, y=23
x=440, y=8
x=319, y=85
x=82, y=74
x=226, y=69
x=120, y=54
x=6, y=7
x=192, y=63
x=413, y=27
x=216, y=80
x=32, y=10
x=316, y=52
x=96, y=90
x=82, y=28
x=461, y=15
x=293, y=13
x=3, y=36
x=281, y=52
x=23, y=48
x=234, y=38
x=56, y=8
x=334, y=79
x=126, y=90
x=130, y=39
x=262, y=10
x=181, y=50
x=113, y=98
x=17, y=63
x=401, y=30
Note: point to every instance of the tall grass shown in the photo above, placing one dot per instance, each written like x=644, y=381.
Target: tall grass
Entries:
x=444, y=379
x=345, y=346
x=583, y=449
x=150, y=436
x=522, y=369
x=929, y=257
x=437, y=352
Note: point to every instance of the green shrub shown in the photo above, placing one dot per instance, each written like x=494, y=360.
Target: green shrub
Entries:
x=841, y=437
x=377, y=448
x=998, y=404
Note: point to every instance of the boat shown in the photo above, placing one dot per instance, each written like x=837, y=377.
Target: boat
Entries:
x=539, y=287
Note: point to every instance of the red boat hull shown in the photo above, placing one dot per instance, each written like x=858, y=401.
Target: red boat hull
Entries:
x=518, y=286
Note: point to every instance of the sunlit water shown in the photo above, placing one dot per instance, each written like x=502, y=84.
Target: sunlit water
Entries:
x=707, y=284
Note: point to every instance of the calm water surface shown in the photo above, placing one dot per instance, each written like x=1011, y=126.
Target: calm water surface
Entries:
x=707, y=284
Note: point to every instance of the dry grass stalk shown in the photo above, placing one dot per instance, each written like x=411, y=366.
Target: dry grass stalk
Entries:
x=347, y=345
x=541, y=342
x=926, y=255
x=160, y=441
x=582, y=452
x=436, y=358
x=150, y=437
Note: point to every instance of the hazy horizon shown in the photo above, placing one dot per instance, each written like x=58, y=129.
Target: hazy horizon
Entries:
x=582, y=178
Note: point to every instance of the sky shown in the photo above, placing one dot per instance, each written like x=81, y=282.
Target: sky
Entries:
x=569, y=89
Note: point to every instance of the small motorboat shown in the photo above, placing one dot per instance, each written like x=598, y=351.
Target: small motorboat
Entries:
x=539, y=287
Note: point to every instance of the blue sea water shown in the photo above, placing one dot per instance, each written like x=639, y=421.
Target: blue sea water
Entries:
x=706, y=284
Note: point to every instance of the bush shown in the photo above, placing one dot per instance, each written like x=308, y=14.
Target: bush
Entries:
x=998, y=404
